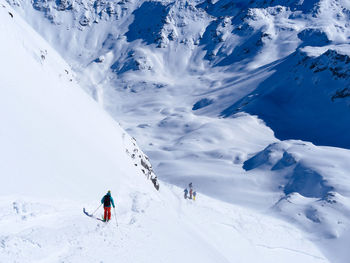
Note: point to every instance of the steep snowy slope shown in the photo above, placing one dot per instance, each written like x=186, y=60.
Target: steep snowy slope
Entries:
x=60, y=151
x=57, y=143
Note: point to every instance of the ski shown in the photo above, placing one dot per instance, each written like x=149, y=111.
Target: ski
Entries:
x=86, y=213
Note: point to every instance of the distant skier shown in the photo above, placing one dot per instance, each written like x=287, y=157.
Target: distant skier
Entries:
x=191, y=191
x=194, y=195
x=107, y=200
x=190, y=185
x=185, y=193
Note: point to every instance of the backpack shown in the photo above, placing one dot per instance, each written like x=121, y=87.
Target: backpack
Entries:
x=107, y=201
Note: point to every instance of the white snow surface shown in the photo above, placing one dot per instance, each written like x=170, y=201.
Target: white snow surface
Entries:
x=165, y=229
x=168, y=72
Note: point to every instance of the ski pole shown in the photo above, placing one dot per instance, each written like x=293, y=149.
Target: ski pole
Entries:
x=115, y=215
x=96, y=209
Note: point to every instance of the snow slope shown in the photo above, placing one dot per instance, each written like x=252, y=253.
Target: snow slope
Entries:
x=168, y=231
x=55, y=140
x=315, y=184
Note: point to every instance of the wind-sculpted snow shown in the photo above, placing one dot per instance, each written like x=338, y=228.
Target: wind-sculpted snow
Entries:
x=300, y=178
x=314, y=184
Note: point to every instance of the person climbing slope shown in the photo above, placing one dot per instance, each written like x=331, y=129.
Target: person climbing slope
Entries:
x=191, y=191
x=107, y=201
x=185, y=193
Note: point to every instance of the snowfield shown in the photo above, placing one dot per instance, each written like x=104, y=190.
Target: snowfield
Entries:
x=161, y=229
x=234, y=96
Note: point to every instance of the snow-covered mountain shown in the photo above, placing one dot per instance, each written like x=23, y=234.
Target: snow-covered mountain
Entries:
x=220, y=52
x=209, y=89
x=60, y=151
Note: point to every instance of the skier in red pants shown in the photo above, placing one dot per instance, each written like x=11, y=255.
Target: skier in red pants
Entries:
x=107, y=201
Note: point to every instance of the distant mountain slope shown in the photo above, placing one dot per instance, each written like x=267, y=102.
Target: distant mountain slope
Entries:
x=224, y=49
x=306, y=98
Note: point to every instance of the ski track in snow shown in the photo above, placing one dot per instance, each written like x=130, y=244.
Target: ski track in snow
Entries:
x=296, y=251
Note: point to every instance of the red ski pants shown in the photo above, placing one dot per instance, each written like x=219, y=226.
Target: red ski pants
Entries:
x=107, y=215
